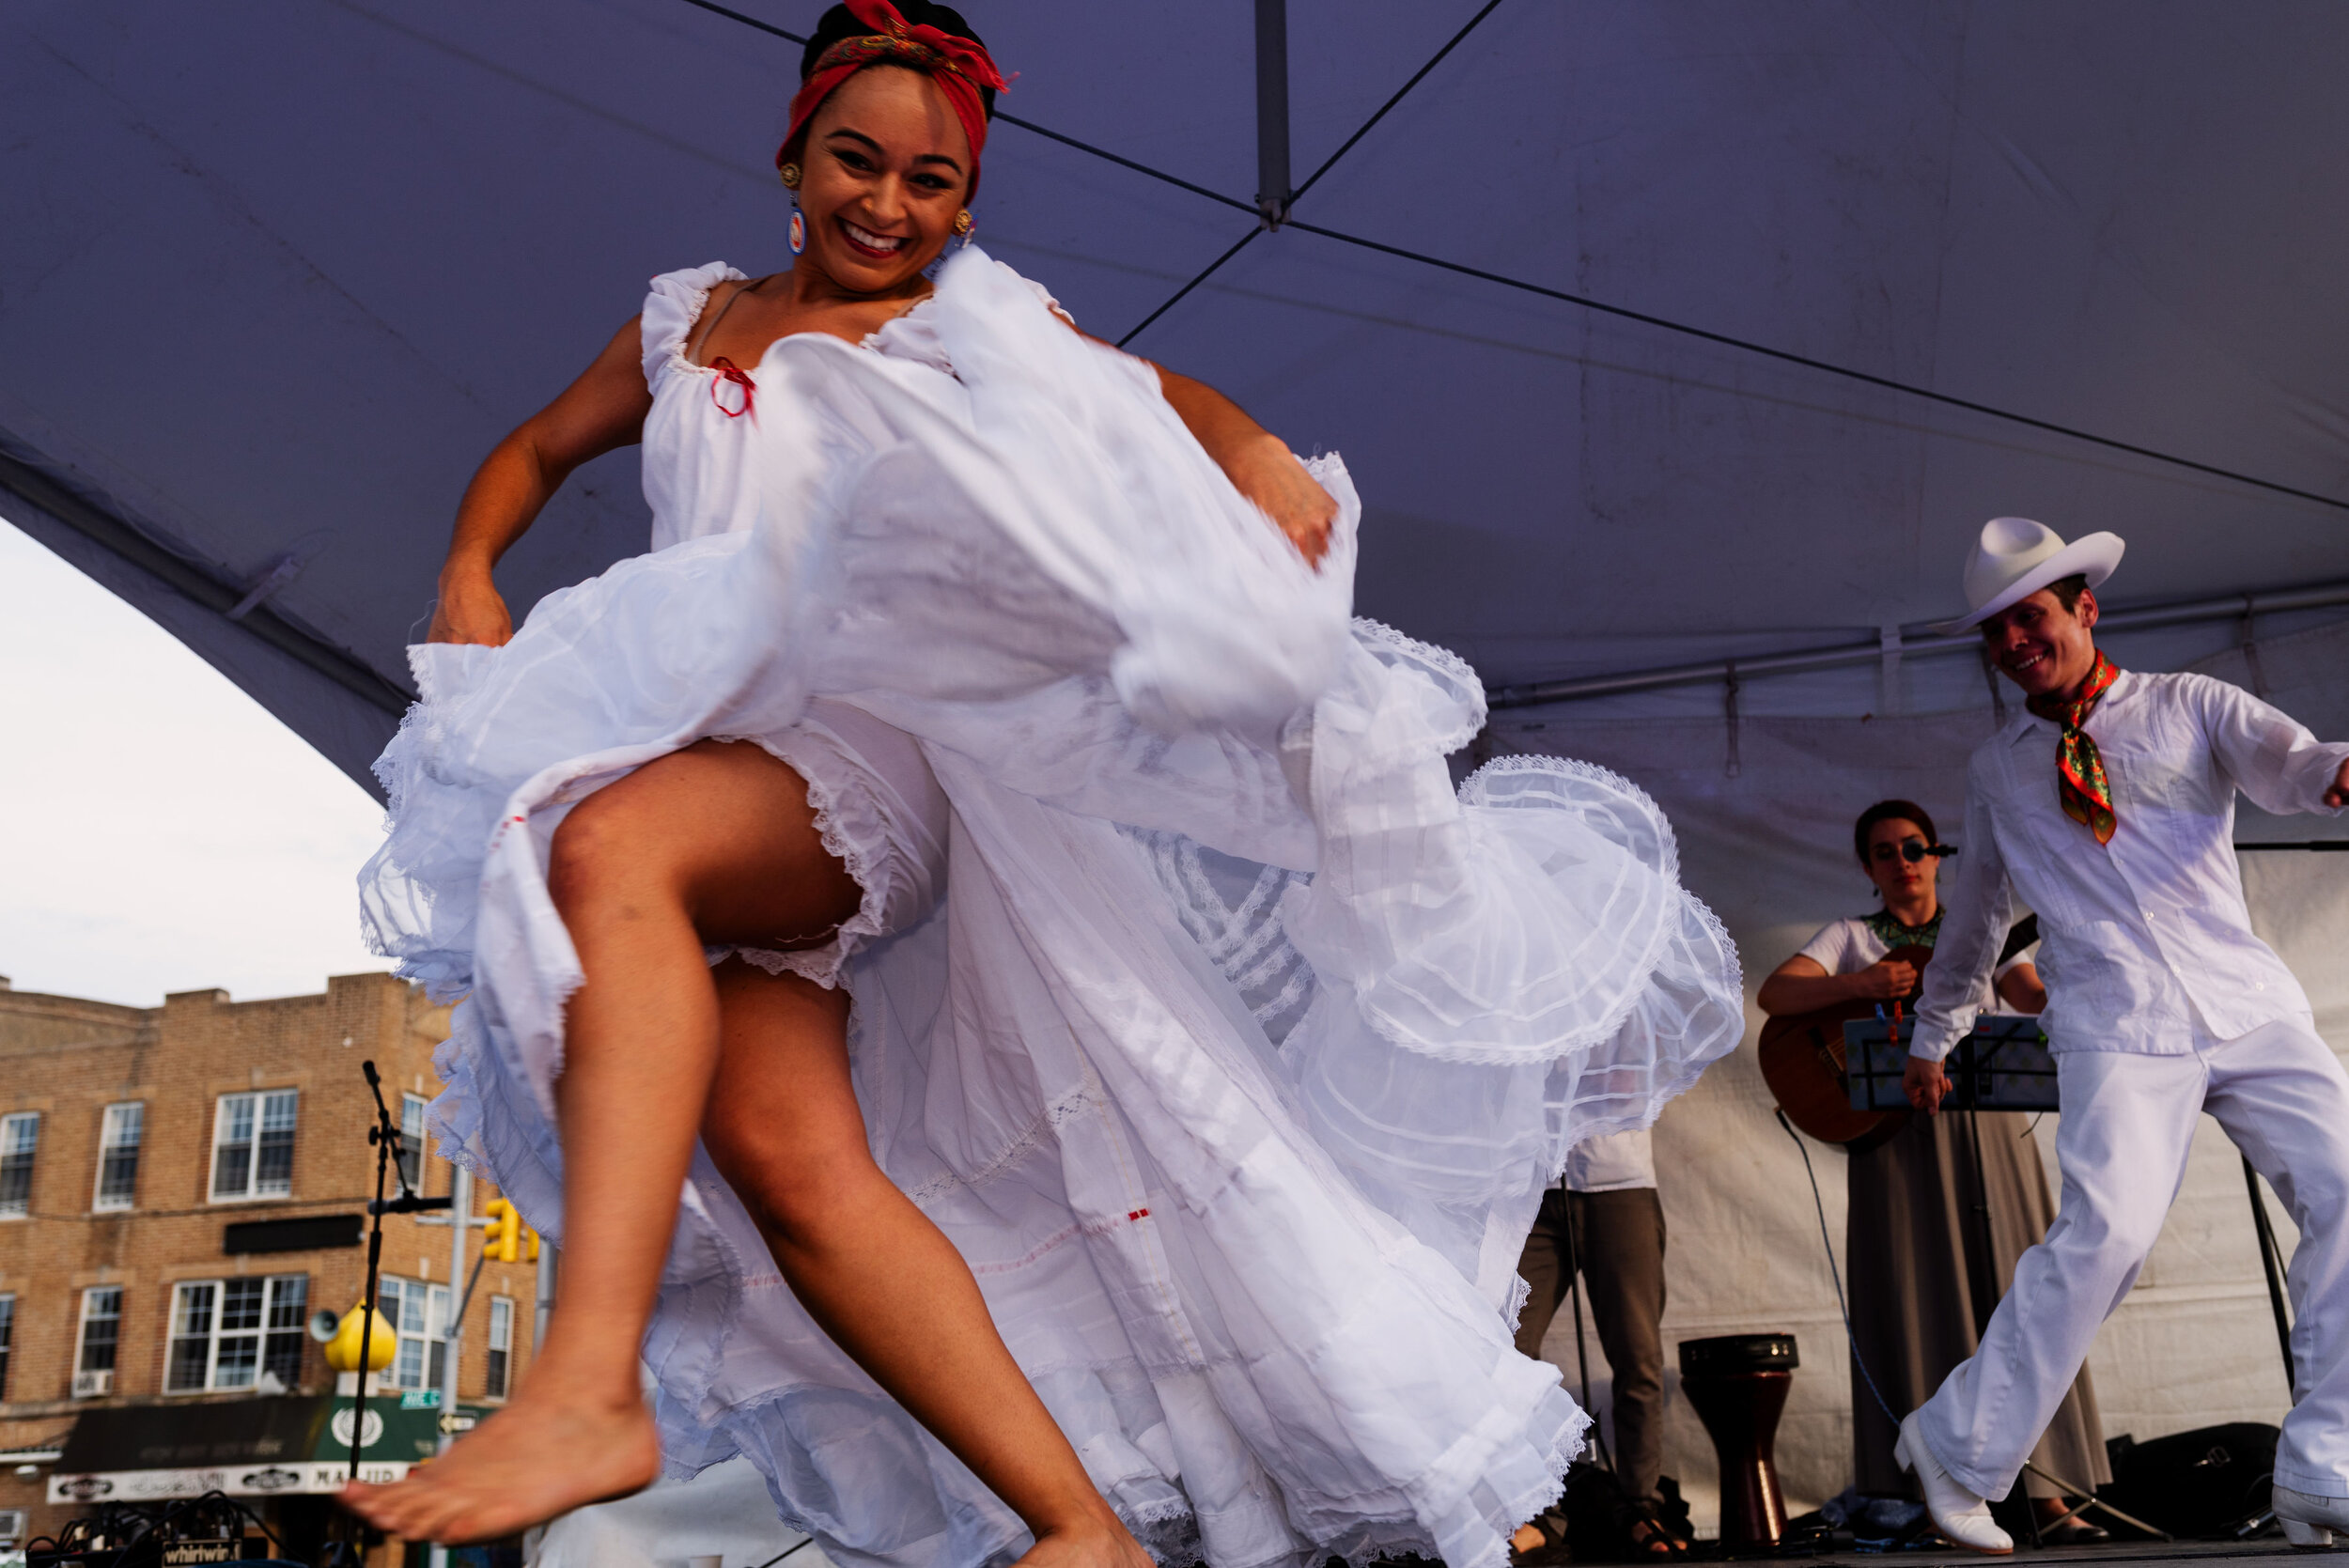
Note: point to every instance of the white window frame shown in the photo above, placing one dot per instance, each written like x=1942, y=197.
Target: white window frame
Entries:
x=81, y=1330
x=275, y=1289
x=259, y=1104
x=418, y=1311
x=12, y=1525
x=498, y=1372
x=412, y=1138
x=122, y=1116
x=21, y=1127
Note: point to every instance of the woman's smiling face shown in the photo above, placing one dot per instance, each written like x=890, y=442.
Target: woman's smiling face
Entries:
x=886, y=166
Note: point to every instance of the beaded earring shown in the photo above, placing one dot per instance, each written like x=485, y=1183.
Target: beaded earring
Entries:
x=791, y=175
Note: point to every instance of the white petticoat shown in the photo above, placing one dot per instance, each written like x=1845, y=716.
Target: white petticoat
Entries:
x=879, y=811
x=1237, y=1057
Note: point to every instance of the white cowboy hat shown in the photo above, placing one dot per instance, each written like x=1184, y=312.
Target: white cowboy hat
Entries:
x=2016, y=557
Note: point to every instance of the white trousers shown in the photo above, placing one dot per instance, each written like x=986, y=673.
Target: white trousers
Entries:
x=2128, y=1119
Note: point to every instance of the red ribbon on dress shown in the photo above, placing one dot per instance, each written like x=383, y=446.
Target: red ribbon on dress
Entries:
x=959, y=66
x=729, y=371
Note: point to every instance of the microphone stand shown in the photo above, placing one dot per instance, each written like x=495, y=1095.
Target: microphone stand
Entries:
x=389, y=1157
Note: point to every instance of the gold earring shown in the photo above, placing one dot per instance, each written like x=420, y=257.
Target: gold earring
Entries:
x=791, y=175
x=964, y=223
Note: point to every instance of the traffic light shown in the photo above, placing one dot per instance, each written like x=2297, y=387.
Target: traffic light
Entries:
x=503, y=1241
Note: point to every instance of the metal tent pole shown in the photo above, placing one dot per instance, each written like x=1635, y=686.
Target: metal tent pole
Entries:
x=1272, y=112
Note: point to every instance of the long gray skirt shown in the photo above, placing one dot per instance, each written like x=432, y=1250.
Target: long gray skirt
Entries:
x=1924, y=1278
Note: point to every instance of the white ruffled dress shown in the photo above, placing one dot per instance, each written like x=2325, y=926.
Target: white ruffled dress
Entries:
x=1229, y=1043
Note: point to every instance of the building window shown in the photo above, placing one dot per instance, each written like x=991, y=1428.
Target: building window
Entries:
x=501, y=1344
x=20, y=1140
x=101, y=1331
x=411, y=1140
x=8, y=1336
x=119, y=1156
x=253, y=1139
x=12, y=1525
x=243, y=1333
x=419, y=1314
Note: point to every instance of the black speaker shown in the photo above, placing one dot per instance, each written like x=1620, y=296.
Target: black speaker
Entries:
x=2202, y=1482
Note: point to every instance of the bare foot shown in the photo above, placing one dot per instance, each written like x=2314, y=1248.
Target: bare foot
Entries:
x=528, y=1463
x=1100, y=1541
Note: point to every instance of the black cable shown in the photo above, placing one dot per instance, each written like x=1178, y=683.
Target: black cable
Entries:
x=998, y=115
x=1835, y=1273
x=749, y=21
x=1433, y=61
x=1289, y=201
x=1115, y=158
x=786, y=1552
x=1202, y=276
x=1644, y=317
x=1808, y=362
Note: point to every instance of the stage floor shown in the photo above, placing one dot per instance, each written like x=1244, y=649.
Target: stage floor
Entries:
x=2207, y=1554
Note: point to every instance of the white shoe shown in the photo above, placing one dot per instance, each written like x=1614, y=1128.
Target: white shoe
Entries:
x=2309, y=1521
x=1957, y=1513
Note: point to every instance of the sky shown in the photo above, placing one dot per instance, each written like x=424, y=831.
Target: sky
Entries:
x=159, y=829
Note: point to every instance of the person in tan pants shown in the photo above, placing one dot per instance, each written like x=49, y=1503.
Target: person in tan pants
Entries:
x=1603, y=1218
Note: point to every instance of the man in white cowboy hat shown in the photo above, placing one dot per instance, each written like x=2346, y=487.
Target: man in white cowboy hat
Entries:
x=2108, y=805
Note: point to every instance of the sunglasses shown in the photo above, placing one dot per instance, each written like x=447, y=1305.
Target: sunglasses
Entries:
x=1913, y=850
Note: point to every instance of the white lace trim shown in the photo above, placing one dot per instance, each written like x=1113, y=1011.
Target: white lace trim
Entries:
x=1475, y=792
x=1379, y=637
x=866, y=863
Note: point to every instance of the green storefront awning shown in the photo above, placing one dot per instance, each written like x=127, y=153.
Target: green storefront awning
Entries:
x=245, y=1448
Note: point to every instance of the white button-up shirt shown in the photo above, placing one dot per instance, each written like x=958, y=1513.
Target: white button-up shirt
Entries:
x=2146, y=942
x=1610, y=1163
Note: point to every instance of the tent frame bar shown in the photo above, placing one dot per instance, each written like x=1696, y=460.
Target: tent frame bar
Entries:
x=1273, y=194
x=1842, y=655
x=105, y=527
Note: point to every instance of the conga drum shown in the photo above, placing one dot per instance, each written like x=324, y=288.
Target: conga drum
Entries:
x=1738, y=1383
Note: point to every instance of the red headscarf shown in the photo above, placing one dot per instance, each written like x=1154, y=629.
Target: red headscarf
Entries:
x=960, y=67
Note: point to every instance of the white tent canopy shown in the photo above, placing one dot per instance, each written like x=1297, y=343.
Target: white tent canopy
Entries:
x=277, y=275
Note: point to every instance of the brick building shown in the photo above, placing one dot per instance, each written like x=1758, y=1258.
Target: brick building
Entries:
x=181, y=1188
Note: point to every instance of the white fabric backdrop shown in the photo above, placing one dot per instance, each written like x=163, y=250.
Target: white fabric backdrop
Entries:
x=1771, y=850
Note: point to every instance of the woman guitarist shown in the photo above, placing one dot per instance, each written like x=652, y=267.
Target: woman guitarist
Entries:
x=1924, y=1276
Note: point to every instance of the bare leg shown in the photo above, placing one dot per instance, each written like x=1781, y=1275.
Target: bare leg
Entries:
x=870, y=1267
x=714, y=838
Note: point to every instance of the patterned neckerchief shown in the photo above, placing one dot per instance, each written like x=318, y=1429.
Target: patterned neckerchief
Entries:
x=1892, y=932
x=2081, y=786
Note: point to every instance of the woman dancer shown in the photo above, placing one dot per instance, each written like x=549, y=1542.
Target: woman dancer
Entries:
x=1239, y=1292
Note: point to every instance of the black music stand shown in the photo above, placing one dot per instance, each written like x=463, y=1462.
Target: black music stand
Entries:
x=2004, y=1064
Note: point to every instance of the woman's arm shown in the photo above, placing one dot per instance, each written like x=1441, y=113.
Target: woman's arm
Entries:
x=601, y=411
x=1802, y=984
x=1259, y=463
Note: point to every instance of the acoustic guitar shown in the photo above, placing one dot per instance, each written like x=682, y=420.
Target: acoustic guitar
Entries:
x=1802, y=1061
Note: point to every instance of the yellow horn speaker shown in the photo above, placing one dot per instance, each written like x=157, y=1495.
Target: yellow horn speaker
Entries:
x=342, y=1351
